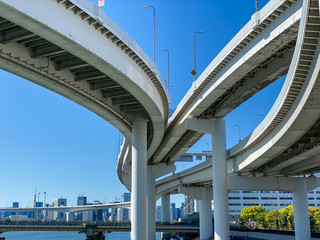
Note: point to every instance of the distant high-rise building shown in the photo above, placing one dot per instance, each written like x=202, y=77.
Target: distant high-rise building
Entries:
x=126, y=197
x=50, y=214
x=15, y=205
x=182, y=210
x=158, y=214
x=120, y=215
x=38, y=214
x=58, y=215
x=60, y=202
x=97, y=214
x=173, y=212
x=39, y=204
x=81, y=200
x=189, y=206
x=114, y=213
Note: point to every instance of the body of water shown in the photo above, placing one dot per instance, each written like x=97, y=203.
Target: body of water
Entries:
x=62, y=236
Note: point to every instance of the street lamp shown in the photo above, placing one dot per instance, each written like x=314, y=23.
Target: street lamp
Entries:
x=38, y=197
x=239, y=131
x=165, y=50
x=258, y=117
x=194, y=72
x=154, y=30
x=257, y=7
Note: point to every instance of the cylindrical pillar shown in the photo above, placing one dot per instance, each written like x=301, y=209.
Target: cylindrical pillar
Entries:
x=301, y=211
x=139, y=179
x=165, y=208
x=219, y=178
x=205, y=215
x=165, y=214
x=196, y=206
x=151, y=202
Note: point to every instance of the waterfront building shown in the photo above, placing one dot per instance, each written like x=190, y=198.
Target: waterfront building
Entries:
x=18, y=218
x=113, y=213
x=158, y=214
x=120, y=215
x=97, y=214
x=126, y=197
x=38, y=214
x=59, y=215
x=270, y=200
x=182, y=210
x=15, y=205
x=106, y=215
x=189, y=206
x=173, y=212
x=81, y=200
x=50, y=214
x=87, y=216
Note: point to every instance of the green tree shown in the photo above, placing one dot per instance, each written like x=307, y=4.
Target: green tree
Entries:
x=254, y=213
x=261, y=218
x=285, y=218
x=272, y=219
x=314, y=215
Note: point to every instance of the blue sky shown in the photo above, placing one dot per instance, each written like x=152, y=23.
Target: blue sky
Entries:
x=57, y=146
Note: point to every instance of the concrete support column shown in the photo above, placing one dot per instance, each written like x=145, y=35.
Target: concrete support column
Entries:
x=165, y=214
x=196, y=206
x=151, y=203
x=301, y=211
x=139, y=179
x=219, y=172
x=165, y=208
x=205, y=215
x=219, y=175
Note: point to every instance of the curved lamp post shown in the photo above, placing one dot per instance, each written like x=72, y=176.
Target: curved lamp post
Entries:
x=194, y=72
x=168, y=82
x=154, y=30
x=239, y=131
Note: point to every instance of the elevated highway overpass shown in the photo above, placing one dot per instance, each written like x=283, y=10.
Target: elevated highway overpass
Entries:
x=257, y=56
x=72, y=48
x=284, y=144
x=119, y=83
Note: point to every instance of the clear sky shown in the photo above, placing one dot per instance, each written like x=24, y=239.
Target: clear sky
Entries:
x=57, y=146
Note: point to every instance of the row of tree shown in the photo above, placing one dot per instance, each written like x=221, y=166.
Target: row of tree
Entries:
x=257, y=216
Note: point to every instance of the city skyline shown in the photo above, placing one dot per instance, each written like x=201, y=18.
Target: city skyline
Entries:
x=56, y=145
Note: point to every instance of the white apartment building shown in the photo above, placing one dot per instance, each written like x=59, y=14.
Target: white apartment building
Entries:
x=270, y=200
